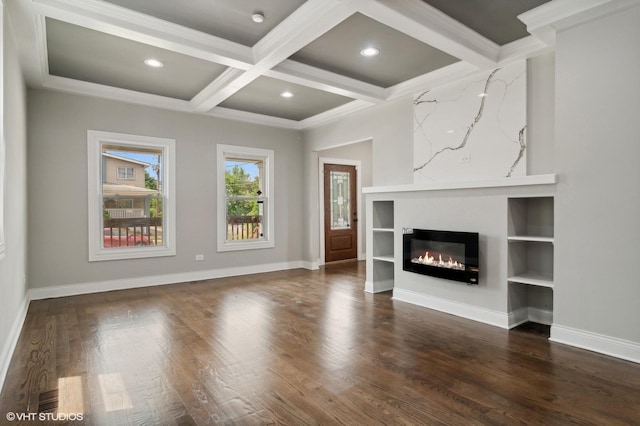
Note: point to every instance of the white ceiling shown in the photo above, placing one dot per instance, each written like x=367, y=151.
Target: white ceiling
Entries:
x=218, y=62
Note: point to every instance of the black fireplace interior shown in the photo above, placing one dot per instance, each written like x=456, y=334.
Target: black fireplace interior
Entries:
x=443, y=254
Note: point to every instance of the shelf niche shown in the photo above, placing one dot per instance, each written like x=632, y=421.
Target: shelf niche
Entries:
x=382, y=256
x=530, y=237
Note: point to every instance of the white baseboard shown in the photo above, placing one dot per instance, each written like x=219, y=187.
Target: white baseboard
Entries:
x=150, y=281
x=311, y=266
x=518, y=317
x=378, y=286
x=619, y=348
x=541, y=316
x=10, y=345
x=526, y=314
x=487, y=316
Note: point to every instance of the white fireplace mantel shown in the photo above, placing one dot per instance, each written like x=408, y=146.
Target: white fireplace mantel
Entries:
x=548, y=179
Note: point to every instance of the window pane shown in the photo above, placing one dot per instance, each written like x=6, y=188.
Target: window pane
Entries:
x=244, y=198
x=132, y=211
x=340, y=199
x=244, y=220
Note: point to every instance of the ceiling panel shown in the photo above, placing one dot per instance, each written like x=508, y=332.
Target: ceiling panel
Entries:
x=401, y=57
x=83, y=54
x=229, y=19
x=496, y=20
x=262, y=96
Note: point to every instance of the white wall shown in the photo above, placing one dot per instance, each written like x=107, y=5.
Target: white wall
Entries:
x=597, y=150
x=57, y=159
x=13, y=268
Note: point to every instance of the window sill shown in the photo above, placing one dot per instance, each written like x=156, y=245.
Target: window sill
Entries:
x=130, y=253
x=245, y=245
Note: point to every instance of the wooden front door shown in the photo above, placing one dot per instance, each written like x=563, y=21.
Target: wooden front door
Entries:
x=340, y=213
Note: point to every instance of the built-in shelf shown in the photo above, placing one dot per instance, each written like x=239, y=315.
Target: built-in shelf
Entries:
x=532, y=278
x=382, y=229
x=533, y=238
x=530, y=237
x=380, y=273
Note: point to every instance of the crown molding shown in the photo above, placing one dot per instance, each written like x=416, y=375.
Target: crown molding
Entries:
x=306, y=75
x=125, y=23
x=526, y=47
x=250, y=117
x=431, y=26
x=108, y=92
x=41, y=48
x=333, y=114
x=545, y=20
x=433, y=79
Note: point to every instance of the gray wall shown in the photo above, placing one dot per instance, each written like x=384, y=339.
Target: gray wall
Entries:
x=598, y=196
x=57, y=158
x=13, y=268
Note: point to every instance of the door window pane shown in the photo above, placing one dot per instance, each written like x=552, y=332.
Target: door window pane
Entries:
x=340, y=199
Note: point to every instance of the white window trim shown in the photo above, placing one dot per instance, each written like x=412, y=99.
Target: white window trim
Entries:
x=267, y=156
x=95, y=140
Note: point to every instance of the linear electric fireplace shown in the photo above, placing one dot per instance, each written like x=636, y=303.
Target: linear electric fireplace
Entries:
x=444, y=254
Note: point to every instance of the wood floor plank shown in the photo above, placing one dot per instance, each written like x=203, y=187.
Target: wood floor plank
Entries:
x=300, y=347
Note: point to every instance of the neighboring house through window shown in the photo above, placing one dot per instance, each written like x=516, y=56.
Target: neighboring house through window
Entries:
x=131, y=196
x=245, y=198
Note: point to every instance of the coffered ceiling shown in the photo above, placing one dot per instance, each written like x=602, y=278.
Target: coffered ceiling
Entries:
x=216, y=60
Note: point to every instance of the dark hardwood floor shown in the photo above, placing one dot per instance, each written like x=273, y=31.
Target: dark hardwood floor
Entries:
x=299, y=347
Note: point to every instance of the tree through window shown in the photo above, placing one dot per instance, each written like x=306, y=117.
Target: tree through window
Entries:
x=246, y=203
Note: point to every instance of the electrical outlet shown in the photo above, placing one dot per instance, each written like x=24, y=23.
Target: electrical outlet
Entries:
x=199, y=256
x=465, y=159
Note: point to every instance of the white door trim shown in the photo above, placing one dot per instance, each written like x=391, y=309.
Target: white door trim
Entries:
x=358, y=164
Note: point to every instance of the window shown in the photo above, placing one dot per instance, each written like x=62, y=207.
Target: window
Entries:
x=126, y=173
x=136, y=218
x=245, y=198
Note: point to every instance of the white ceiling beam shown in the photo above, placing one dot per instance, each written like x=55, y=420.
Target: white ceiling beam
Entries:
x=305, y=24
x=316, y=78
x=423, y=22
x=121, y=22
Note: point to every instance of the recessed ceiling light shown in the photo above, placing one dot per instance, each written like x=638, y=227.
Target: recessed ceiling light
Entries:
x=450, y=131
x=257, y=17
x=154, y=63
x=482, y=95
x=369, y=51
x=286, y=94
